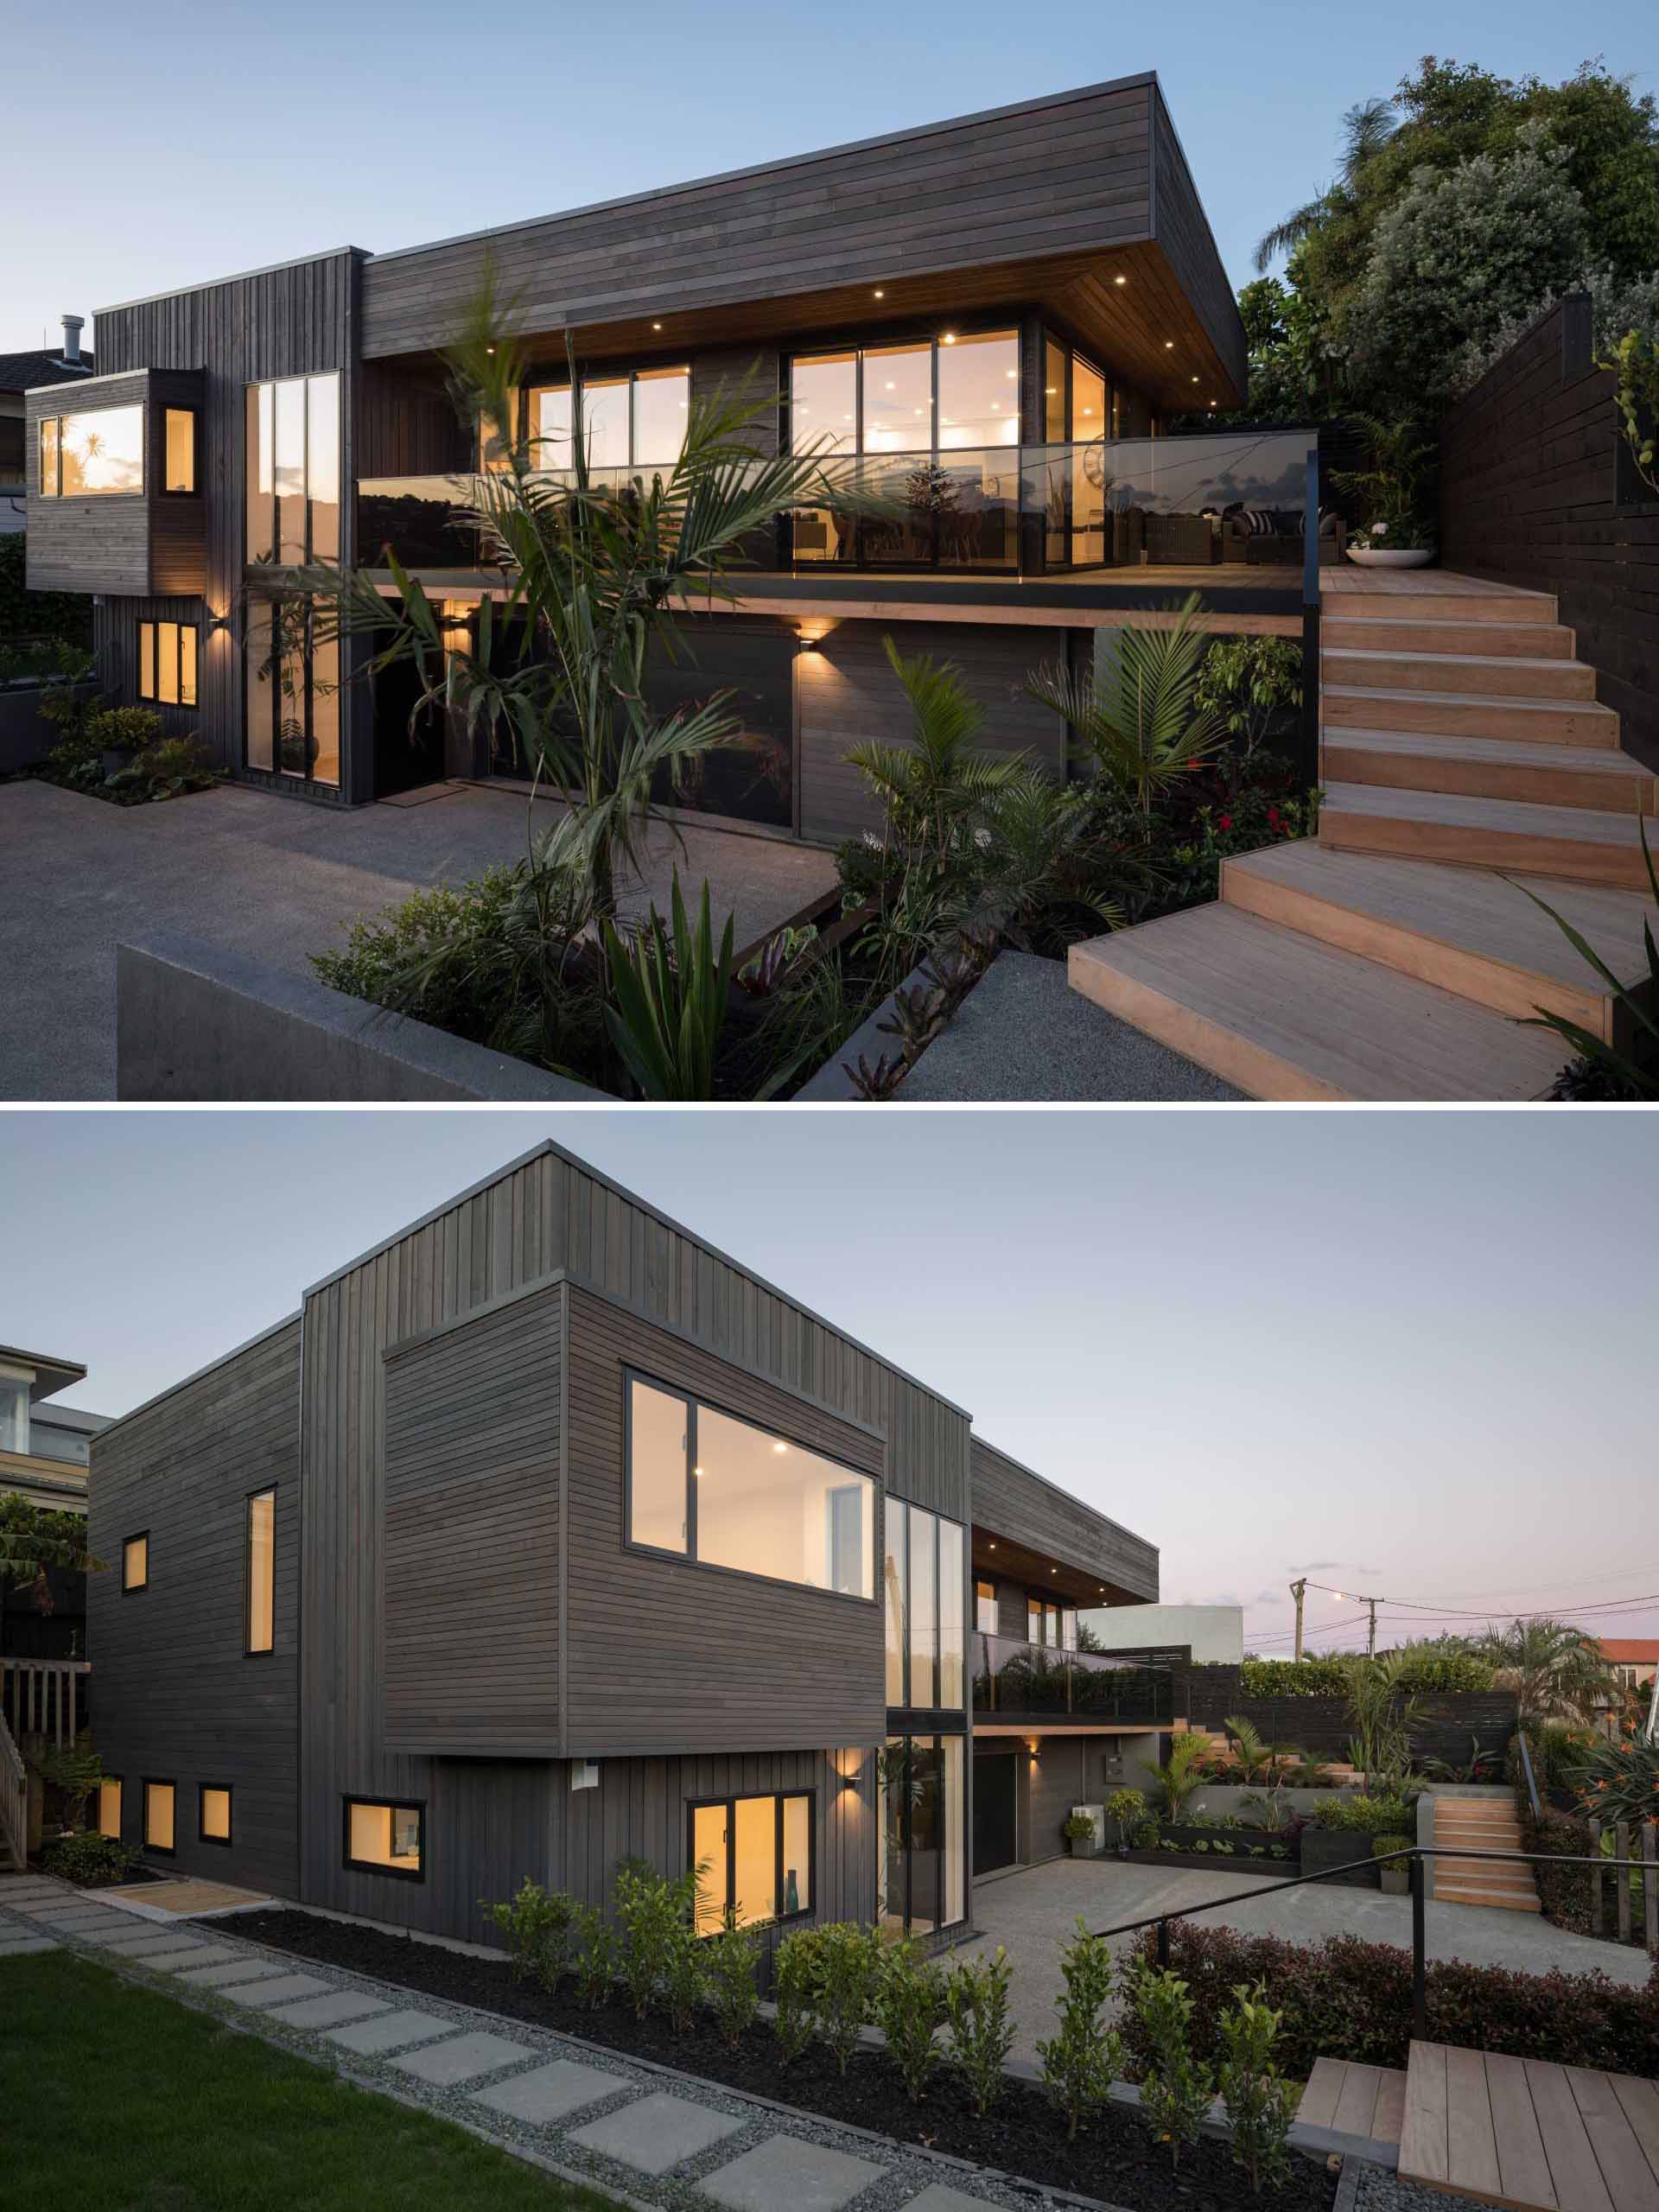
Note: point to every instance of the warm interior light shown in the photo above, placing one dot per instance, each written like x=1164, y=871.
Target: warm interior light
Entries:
x=696, y=1470
x=949, y=337
x=1169, y=345
x=1195, y=379
x=880, y=294
x=781, y=1447
x=1119, y=280
x=993, y=1546
x=656, y=326
x=1011, y=374
x=489, y=349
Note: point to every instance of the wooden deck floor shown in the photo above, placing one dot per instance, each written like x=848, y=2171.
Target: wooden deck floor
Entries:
x=1520, y=2133
x=1355, y=2100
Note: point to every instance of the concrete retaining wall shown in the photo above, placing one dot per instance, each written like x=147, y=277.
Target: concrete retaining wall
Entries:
x=196, y=1023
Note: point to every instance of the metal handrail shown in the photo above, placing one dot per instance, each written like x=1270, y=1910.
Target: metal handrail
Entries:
x=1415, y=1854
x=1526, y=1769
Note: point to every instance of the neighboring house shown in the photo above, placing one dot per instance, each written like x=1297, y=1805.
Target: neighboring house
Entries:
x=1212, y=1635
x=544, y=1533
x=1634, y=1659
x=992, y=318
x=43, y=1458
x=22, y=372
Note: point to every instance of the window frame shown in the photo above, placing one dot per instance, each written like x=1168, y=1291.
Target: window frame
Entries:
x=281, y=777
x=903, y=1741
x=219, y=1842
x=729, y=1804
x=250, y=1650
x=164, y=490
x=952, y=1714
x=561, y=380
x=103, y=491
x=147, y=1783
x=416, y=1805
x=985, y=1592
x=119, y=1781
x=156, y=625
x=689, y=1557
x=305, y=378
x=135, y=1589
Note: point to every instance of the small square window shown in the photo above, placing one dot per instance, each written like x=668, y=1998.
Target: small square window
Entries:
x=158, y=1816
x=386, y=1838
x=135, y=1563
x=214, y=1825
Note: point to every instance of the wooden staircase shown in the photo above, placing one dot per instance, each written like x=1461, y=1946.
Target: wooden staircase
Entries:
x=1387, y=959
x=1481, y=1824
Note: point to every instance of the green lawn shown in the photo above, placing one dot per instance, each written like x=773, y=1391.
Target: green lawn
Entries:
x=117, y=2097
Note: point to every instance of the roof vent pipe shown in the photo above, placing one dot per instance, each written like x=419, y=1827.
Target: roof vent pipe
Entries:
x=73, y=325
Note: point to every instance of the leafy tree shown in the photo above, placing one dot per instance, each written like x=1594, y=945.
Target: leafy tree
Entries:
x=35, y=1539
x=1555, y=1670
x=1140, y=726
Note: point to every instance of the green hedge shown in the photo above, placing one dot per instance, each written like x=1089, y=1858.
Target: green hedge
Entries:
x=25, y=614
x=1436, y=1670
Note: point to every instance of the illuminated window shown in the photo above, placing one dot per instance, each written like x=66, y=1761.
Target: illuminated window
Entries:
x=158, y=1816
x=214, y=1824
x=720, y=1491
x=979, y=389
x=926, y=1594
x=292, y=691
x=921, y=1844
x=754, y=1859
x=386, y=1838
x=178, y=449
x=292, y=427
x=662, y=405
x=985, y=1608
x=99, y=453
x=135, y=1563
x=109, y=1806
x=261, y=1571
x=167, y=663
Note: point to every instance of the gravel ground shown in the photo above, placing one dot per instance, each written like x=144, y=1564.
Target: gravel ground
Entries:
x=1376, y=2190
x=1024, y=1033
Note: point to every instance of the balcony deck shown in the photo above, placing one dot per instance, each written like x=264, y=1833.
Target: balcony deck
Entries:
x=1019, y=1686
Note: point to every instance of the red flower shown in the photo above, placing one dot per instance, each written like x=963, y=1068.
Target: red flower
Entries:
x=1276, y=820
x=1224, y=822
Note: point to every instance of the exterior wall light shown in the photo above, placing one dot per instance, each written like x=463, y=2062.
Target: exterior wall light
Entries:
x=809, y=645
x=218, y=622
x=1119, y=280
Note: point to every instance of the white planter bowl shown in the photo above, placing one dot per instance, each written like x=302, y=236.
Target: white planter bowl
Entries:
x=1390, y=557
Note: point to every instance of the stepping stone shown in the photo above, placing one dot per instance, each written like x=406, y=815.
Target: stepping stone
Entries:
x=239, y=1969
x=166, y=1955
x=786, y=2171
x=656, y=2132
x=395, y=2031
x=328, y=2012
x=278, y=1990
x=936, y=2197
x=29, y=1944
x=125, y=1946
x=462, y=2058
x=548, y=2094
x=200, y=1956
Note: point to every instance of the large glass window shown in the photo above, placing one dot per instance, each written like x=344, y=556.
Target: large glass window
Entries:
x=167, y=663
x=293, y=692
x=1054, y=373
x=661, y=404
x=925, y=1589
x=1088, y=425
x=109, y=1806
x=89, y=455
x=637, y=421
x=158, y=1816
x=979, y=389
x=178, y=449
x=922, y=1871
x=754, y=1859
x=261, y=1571
x=605, y=422
x=898, y=385
x=386, y=1838
x=293, y=471
x=823, y=402
x=751, y=1500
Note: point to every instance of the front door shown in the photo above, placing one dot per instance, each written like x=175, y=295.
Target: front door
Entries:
x=994, y=1794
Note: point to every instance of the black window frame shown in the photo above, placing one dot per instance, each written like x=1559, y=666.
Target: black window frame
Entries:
x=120, y=1782
x=135, y=1589
x=925, y=1725
x=905, y=1704
x=250, y=1498
x=153, y=696
x=164, y=490
x=147, y=1783
x=689, y=1399
x=729, y=1804
x=219, y=1842
x=987, y=1583
x=142, y=491
x=283, y=777
x=417, y=1805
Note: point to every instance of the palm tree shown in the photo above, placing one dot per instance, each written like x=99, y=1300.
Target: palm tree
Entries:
x=1141, y=728
x=593, y=575
x=1367, y=127
x=1555, y=1670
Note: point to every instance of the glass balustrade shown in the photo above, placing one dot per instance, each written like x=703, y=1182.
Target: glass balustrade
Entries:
x=1018, y=1681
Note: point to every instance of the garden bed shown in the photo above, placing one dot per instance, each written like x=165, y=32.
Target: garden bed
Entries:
x=1212, y=1862
x=1113, y=2158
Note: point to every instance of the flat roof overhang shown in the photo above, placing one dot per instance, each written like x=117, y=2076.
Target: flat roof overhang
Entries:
x=1033, y=1728
x=1003, y=1559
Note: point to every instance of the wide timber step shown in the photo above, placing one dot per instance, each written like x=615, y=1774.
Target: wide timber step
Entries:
x=1285, y=1017
x=1584, y=844
x=1481, y=1824
x=1411, y=634
x=1449, y=600
x=1457, y=714
x=1486, y=675
x=1491, y=767
x=1463, y=929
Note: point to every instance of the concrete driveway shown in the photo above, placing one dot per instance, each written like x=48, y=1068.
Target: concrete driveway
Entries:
x=1033, y=1914
x=276, y=879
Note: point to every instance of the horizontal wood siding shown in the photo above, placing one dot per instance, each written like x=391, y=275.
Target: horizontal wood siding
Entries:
x=177, y=1695
x=1070, y=174
x=98, y=544
x=472, y=1505
x=1010, y=1501
x=847, y=693
x=669, y=1656
x=1530, y=478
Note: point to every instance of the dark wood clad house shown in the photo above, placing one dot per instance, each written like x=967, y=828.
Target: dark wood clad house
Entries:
x=545, y=1533
x=993, y=317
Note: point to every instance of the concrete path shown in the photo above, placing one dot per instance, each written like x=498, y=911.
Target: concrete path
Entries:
x=278, y=880
x=640, y=2133
x=1034, y=1915
x=1024, y=1033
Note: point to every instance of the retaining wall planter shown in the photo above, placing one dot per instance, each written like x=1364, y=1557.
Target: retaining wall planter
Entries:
x=1323, y=1725
x=1324, y=1848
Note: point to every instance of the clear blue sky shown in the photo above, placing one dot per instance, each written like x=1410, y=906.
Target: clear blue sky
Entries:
x=1410, y=1354
x=145, y=150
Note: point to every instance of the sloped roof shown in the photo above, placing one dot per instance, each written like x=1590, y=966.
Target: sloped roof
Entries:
x=1631, y=1650
x=20, y=371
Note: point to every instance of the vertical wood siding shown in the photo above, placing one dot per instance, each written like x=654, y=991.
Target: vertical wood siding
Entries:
x=175, y=1694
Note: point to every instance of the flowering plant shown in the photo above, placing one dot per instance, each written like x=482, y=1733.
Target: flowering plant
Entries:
x=1397, y=533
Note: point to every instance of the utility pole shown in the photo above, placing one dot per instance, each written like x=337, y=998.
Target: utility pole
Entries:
x=1298, y=1591
x=1371, y=1637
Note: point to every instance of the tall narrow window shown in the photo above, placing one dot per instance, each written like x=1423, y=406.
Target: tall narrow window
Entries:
x=158, y=1816
x=293, y=471
x=261, y=1571
x=49, y=451
x=109, y=1806
x=167, y=663
x=923, y=1607
x=921, y=1842
x=322, y=464
x=178, y=449
x=985, y=1608
x=135, y=1563
x=659, y=1433
x=953, y=1636
x=662, y=407
x=293, y=692
x=896, y=1577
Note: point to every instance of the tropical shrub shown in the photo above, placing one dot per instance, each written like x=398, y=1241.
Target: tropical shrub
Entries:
x=981, y=2025
x=1175, y=2089
x=1126, y=1809
x=1260, y=2103
x=1252, y=684
x=731, y=1961
x=847, y=1968
x=794, y=1990
x=1137, y=724
x=1632, y=1075
x=656, y=1919
x=1620, y=1781
x=1350, y=1999
x=597, y=1948
x=1419, y=1667
x=1355, y=1813
x=89, y=1859
x=1084, y=2058
x=910, y=2010
x=536, y=1924
x=1555, y=1670
x=670, y=1000
x=1182, y=1772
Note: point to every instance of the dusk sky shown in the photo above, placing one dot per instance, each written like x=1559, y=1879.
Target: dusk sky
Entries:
x=1408, y=1354
x=145, y=150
